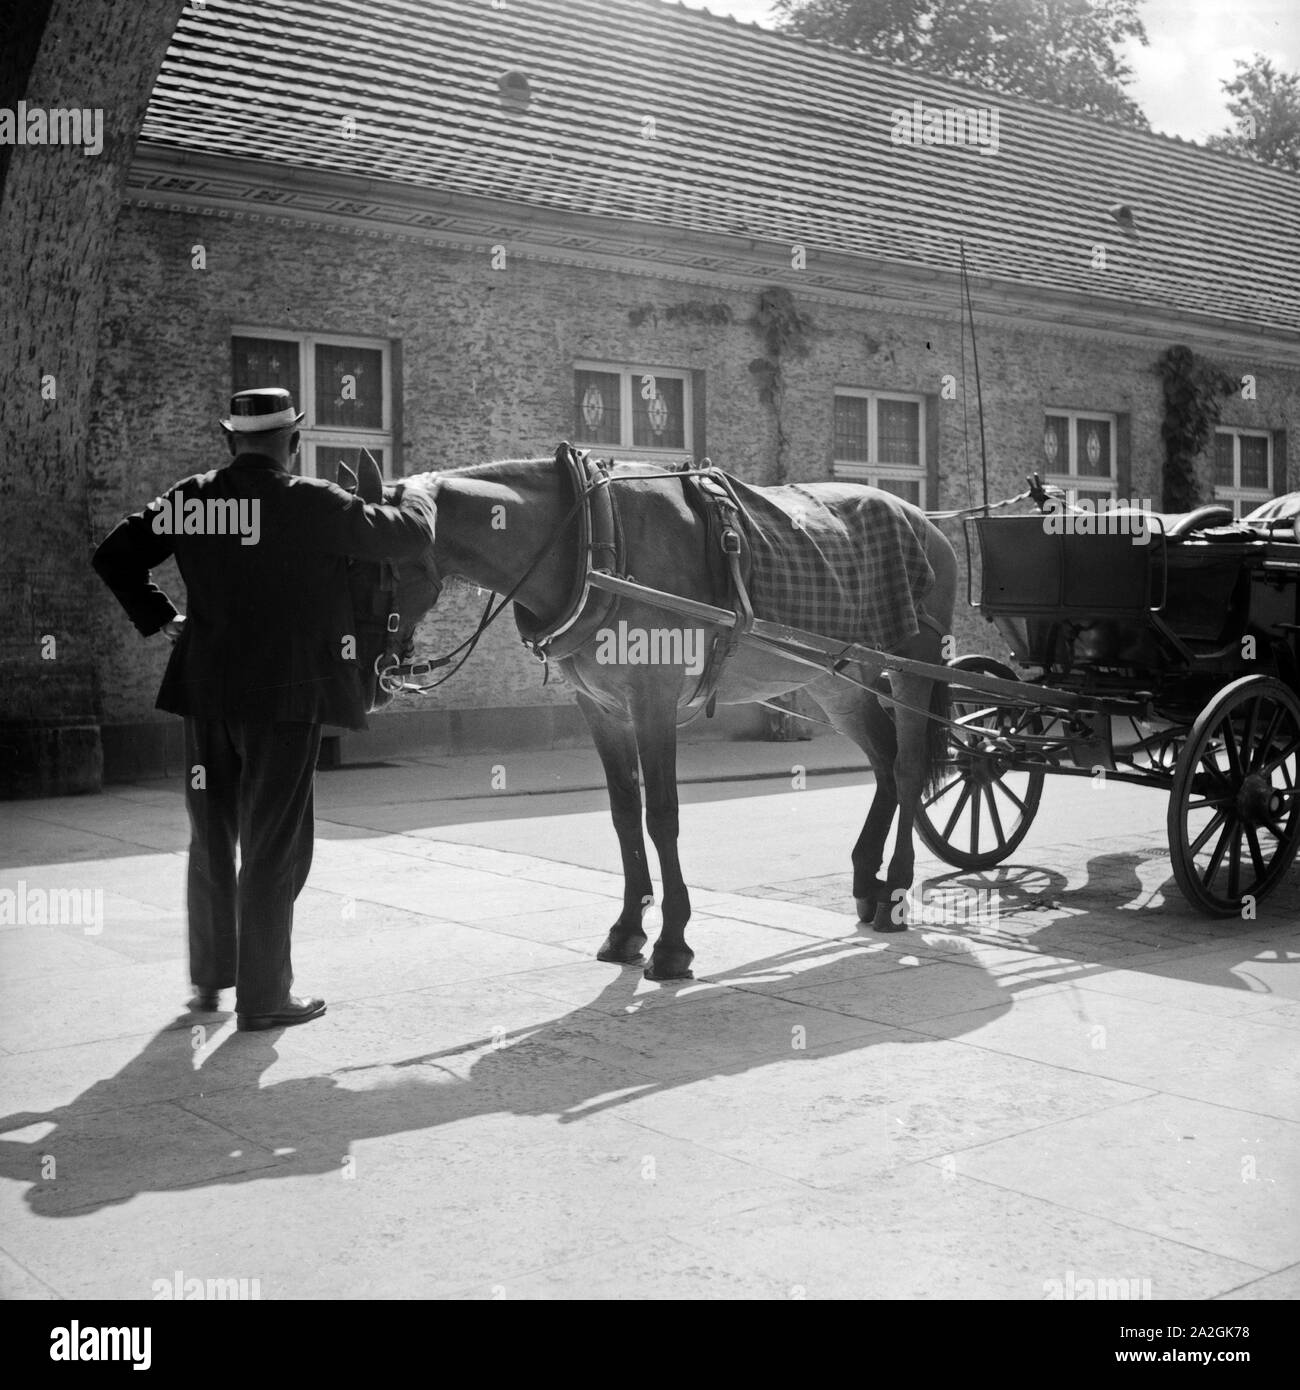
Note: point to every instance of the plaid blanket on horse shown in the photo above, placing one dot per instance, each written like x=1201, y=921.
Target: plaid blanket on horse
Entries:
x=837, y=559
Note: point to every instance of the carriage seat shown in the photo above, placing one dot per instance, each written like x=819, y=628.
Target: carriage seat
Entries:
x=1176, y=525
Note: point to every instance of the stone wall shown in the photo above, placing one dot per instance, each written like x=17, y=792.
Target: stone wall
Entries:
x=486, y=371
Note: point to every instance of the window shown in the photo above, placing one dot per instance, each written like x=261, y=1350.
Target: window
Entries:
x=344, y=386
x=644, y=410
x=1079, y=454
x=880, y=440
x=1243, y=469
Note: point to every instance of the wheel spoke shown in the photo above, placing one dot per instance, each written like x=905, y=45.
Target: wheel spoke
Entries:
x=1006, y=791
x=995, y=818
x=1231, y=750
x=942, y=792
x=1248, y=733
x=1205, y=834
x=957, y=810
x=975, y=824
x=1266, y=742
x=1217, y=857
x=1272, y=764
x=1256, y=857
x=1234, y=865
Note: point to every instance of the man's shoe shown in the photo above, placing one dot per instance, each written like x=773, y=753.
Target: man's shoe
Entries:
x=294, y=1010
x=206, y=1001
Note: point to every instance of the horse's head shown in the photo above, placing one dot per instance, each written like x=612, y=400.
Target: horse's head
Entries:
x=388, y=599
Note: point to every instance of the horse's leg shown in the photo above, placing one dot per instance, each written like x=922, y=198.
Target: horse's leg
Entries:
x=616, y=744
x=859, y=716
x=922, y=742
x=655, y=720
x=922, y=737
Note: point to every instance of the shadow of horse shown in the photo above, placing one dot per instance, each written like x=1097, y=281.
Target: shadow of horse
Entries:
x=824, y=998
x=604, y=1053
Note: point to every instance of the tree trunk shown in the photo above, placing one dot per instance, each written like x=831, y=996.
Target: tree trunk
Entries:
x=58, y=206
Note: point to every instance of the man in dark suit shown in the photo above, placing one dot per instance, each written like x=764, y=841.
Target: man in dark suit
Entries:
x=267, y=654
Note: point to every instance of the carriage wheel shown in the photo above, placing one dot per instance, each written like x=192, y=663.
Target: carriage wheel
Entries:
x=981, y=809
x=1234, y=810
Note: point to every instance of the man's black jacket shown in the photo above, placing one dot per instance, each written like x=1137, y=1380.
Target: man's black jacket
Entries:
x=267, y=622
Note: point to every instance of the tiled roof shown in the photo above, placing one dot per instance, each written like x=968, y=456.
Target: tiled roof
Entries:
x=755, y=134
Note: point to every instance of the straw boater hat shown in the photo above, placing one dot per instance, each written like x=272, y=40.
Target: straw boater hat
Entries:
x=255, y=412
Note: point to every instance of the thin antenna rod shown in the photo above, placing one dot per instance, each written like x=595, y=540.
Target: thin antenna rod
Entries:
x=979, y=397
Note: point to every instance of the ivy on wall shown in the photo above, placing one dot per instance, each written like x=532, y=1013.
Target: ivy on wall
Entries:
x=785, y=332
x=1194, y=390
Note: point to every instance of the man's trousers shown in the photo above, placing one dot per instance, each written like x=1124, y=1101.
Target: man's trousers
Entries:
x=247, y=784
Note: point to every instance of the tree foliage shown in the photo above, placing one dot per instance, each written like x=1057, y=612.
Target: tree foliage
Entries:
x=1265, y=108
x=1064, y=52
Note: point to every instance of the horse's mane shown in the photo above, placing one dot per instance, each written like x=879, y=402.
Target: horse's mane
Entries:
x=468, y=470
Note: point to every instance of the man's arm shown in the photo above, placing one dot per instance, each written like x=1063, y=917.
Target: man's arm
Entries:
x=345, y=525
x=123, y=561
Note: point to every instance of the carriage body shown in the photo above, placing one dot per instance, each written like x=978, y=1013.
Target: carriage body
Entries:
x=1155, y=650
x=1171, y=615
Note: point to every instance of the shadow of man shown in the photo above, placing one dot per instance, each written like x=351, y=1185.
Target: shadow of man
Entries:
x=191, y=1110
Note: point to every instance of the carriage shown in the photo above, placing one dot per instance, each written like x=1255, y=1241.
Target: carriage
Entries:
x=1151, y=649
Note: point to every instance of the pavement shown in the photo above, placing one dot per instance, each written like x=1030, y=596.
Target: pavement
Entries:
x=1060, y=1083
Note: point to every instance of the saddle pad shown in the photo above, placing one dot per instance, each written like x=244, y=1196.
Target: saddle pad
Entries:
x=843, y=560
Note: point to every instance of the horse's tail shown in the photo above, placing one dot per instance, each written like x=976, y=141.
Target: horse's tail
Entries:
x=936, y=736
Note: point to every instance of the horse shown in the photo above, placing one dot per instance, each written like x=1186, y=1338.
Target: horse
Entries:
x=388, y=600
x=499, y=526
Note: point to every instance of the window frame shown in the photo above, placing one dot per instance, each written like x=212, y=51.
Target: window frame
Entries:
x=1236, y=495
x=872, y=471
x=316, y=437
x=628, y=375
x=1072, y=482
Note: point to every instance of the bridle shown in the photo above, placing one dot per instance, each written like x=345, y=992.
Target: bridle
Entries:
x=395, y=674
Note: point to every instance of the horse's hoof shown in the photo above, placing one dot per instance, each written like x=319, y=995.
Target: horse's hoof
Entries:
x=626, y=952
x=890, y=917
x=866, y=908
x=664, y=967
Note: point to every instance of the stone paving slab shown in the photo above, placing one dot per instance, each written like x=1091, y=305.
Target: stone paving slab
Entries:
x=1090, y=1080
x=1220, y=1179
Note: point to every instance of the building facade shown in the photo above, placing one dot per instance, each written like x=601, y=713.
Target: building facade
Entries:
x=470, y=233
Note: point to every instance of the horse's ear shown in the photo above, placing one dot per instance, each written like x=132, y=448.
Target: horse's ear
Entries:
x=370, y=487
x=346, y=478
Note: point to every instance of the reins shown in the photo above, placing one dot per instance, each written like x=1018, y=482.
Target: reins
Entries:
x=394, y=678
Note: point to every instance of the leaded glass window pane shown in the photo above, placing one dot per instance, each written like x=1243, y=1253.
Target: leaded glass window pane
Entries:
x=1254, y=462
x=349, y=387
x=898, y=424
x=262, y=362
x=852, y=438
x=1056, y=444
x=910, y=492
x=1223, y=460
x=1093, y=448
x=597, y=407
x=658, y=412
